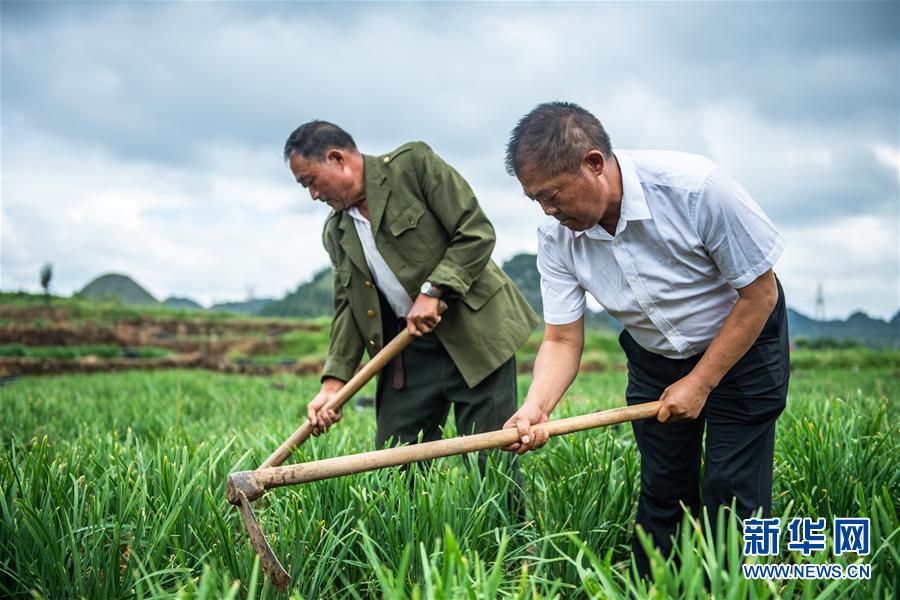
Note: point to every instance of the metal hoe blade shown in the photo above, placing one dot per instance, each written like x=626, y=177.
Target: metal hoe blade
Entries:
x=270, y=563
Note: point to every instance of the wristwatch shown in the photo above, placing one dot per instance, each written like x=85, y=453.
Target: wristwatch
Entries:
x=428, y=289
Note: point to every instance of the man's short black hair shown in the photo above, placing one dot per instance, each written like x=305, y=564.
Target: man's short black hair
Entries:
x=313, y=139
x=554, y=137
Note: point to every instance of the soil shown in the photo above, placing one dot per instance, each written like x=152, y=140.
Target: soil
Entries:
x=179, y=336
x=197, y=344
x=16, y=366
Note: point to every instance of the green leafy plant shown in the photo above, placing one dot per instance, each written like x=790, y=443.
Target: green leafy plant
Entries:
x=112, y=486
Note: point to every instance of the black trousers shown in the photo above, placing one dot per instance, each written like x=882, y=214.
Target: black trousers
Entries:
x=739, y=419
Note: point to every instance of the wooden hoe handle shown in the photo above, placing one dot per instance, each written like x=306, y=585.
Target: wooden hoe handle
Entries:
x=253, y=484
x=401, y=341
x=246, y=486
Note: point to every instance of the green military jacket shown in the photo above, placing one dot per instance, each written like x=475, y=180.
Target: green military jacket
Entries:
x=428, y=226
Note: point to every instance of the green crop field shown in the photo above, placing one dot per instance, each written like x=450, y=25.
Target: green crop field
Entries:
x=113, y=487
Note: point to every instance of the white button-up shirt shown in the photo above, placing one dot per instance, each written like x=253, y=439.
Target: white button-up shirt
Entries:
x=385, y=280
x=688, y=236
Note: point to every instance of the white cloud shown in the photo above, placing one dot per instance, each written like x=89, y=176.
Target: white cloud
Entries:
x=816, y=157
x=88, y=213
x=888, y=156
x=146, y=138
x=856, y=259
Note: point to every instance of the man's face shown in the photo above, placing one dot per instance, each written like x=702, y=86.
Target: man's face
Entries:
x=333, y=180
x=577, y=200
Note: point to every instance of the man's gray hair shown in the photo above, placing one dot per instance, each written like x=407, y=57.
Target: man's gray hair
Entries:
x=554, y=138
x=312, y=140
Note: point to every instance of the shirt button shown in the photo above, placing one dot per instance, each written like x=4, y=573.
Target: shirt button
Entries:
x=387, y=159
x=370, y=313
x=372, y=343
x=368, y=284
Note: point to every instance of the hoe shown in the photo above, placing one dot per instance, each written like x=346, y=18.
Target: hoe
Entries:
x=246, y=486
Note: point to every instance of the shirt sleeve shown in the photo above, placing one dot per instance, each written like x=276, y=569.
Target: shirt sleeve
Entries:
x=561, y=292
x=736, y=233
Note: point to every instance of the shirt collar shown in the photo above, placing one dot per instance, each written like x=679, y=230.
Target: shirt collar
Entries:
x=353, y=211
x=634, y=203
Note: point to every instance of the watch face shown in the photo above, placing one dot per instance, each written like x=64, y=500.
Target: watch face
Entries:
x=426, y=288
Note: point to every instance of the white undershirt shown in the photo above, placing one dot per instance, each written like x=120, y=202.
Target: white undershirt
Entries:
x=384, y=278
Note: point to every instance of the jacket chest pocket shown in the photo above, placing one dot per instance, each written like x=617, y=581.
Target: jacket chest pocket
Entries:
x=417, y=233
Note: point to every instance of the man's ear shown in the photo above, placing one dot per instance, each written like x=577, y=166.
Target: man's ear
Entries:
x=335, y=155
x=595, y=161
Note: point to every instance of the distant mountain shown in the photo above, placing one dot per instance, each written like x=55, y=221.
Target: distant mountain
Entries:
x=858, y=327
x=522, y=269
x=310, y=299
x=183, y=303
x=313, y=299
x=248, y=307
x=118, y=287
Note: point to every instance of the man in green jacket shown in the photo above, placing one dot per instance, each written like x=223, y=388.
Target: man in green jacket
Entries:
x=406, y=232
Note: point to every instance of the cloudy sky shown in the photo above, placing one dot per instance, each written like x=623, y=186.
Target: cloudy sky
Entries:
x=146, y=138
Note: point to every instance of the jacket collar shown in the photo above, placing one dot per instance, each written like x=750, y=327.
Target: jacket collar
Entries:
x=350, y=242
x=377, y=190
x=377, y=193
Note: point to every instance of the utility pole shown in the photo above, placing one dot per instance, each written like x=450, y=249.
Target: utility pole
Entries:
x=820, y=304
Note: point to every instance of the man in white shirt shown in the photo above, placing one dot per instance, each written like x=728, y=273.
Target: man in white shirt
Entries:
x=679, y=253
